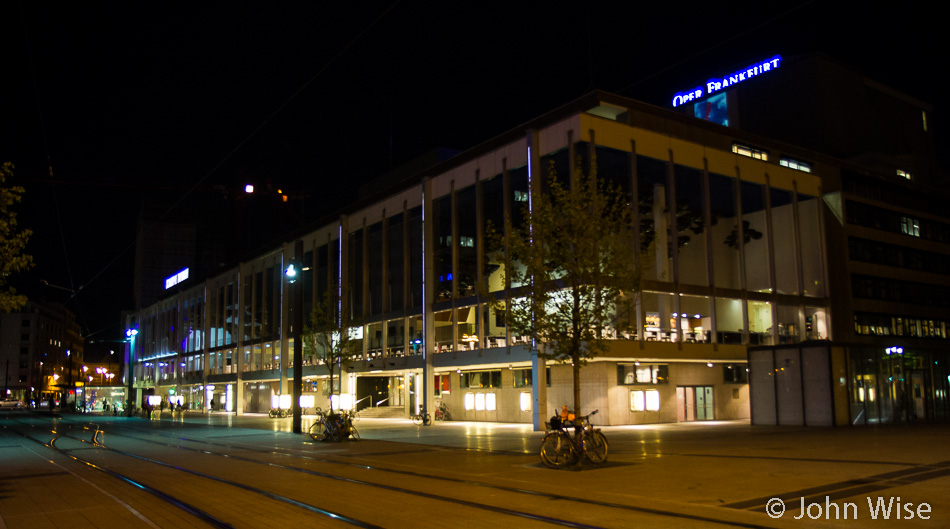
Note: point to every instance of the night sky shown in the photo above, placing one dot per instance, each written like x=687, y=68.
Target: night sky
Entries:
x=127, y=99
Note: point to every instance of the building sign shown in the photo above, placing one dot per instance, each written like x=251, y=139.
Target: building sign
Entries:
x=720, y=83
x=175, y=279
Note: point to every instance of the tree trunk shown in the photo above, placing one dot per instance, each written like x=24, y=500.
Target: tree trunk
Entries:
x=576, y=368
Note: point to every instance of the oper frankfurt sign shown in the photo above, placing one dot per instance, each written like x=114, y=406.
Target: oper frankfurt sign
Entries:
x=716, y=84
x=175, y=279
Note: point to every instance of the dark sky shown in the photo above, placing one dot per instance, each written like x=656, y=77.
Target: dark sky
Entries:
x=128, y=99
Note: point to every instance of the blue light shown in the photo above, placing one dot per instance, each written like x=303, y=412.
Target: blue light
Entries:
x=720, y=83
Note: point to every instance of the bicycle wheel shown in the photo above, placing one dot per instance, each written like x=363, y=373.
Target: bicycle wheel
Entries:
x=272, y=413
x=427, y=420
x=595, y=447
x=354, y=434
x=355, y=416
x=334, y=434
x=282, y=414
x=318, y=430
x=417, y=420
x=556, y=450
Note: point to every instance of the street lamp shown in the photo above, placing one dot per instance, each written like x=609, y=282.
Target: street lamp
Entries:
x=291, y=274
x=131, y=336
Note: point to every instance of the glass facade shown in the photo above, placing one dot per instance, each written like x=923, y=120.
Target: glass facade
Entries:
x=725, y=261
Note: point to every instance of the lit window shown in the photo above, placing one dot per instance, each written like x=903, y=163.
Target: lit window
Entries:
x=903, y=174
x=792, y=163
x=637, y=401
x=469, y=401
x=653, y=400
x=910, y=226
x=479, y=402
x=745, y=150
x=521, y=196
x=525, y=401
x=489, y=402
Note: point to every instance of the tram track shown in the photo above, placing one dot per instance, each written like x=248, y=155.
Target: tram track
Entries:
x=454, y=503
x=493, y=488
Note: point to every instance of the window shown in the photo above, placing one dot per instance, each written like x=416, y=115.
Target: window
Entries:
x=642, y=374
x=480, y=379
x=442, y=385
x=910, y=226
x=903, y=174
x=522, y=378
x=735, y=374
x=480, y=401
x=792, y=163
x=745, y=150
x=648, y=400
x=525, y=401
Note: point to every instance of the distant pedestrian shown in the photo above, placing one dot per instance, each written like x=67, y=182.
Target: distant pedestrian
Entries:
x=212, y=403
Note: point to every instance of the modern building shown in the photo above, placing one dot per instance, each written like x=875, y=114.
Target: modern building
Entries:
x=41, y=354
x=754, y=256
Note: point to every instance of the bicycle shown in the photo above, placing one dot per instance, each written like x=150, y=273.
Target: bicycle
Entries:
x=333, y=427
x=274, y=413
x=442, y=413
x=558, y=449
x=422, y=419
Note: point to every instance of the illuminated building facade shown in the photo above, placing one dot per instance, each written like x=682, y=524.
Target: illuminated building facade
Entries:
x=41, y=353
x=752, y=273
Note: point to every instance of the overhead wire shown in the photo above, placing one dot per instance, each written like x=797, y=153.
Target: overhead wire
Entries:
x=49, y=162
x=241, y=144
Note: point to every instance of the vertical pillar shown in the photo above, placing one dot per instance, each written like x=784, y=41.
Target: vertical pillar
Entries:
x=298, y=346
x=428, y=280
x=240, y=342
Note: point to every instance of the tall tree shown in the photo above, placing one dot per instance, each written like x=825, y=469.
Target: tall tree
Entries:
x=328, y=336
x=12, y=242
x=574, y=257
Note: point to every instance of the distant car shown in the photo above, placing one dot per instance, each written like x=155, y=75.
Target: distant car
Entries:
x=9, y=403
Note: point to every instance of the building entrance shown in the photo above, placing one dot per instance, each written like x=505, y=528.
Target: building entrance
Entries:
x=694, y=403
x=375, y=392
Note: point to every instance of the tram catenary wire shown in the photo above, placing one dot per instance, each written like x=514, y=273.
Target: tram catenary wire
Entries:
x=547, y=495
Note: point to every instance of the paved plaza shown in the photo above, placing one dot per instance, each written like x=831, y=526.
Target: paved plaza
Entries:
x=714, y=474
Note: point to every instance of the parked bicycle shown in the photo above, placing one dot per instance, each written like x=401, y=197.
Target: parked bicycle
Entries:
x=442, y=413
x=423, y=419
x=333, y=426
x=273, y=413
x=559, y=449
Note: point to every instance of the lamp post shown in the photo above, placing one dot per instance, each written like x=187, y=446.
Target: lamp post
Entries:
x=291, y=273
x=129, y=399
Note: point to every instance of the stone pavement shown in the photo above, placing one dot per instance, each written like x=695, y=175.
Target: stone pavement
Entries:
x=842, y=476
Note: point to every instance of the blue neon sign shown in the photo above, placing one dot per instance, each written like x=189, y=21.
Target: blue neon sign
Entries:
x=720, y=83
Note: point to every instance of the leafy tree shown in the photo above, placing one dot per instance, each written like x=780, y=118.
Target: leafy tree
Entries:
x=574, y=257
x=327, y=337
x=12, y=242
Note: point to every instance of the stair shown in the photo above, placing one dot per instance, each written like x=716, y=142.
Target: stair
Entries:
x=383, y=412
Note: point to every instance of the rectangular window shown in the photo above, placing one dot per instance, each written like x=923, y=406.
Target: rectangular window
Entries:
x=735, y=374
x=522, y=378
x=525, y=401
x=792, y=163
x=442, y=385
x=910, y=226
x=751, y=152
x=469, y=401
x=648, y=400
x=480, y=379
x=628, y=374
